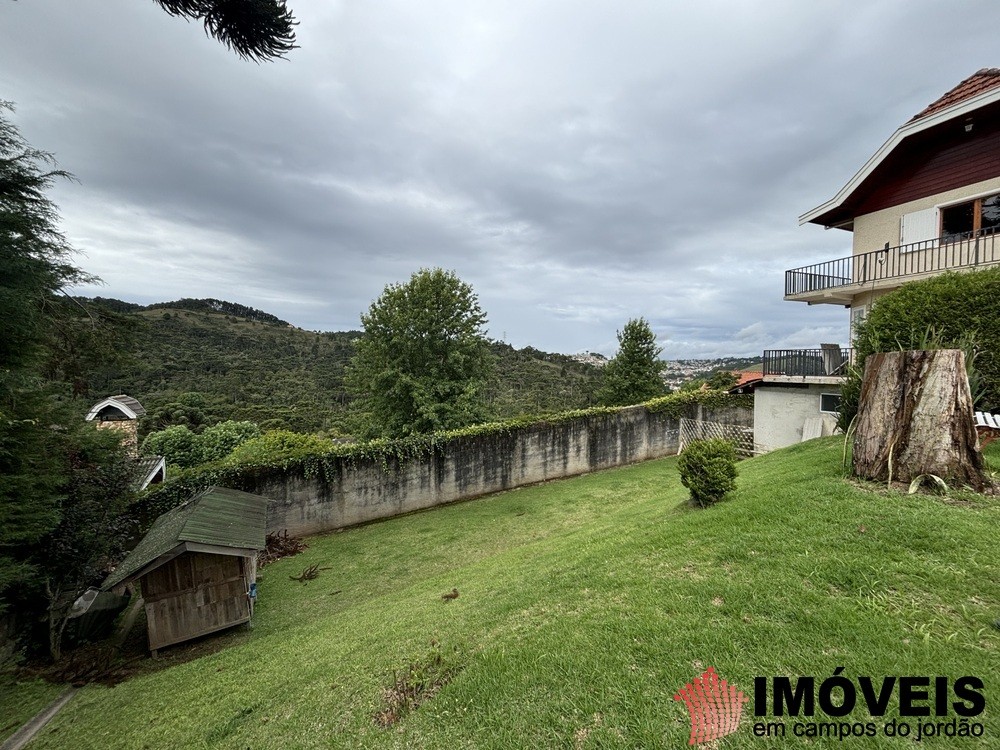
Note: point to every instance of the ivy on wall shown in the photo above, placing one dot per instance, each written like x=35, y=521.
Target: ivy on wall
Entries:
x=325, y=464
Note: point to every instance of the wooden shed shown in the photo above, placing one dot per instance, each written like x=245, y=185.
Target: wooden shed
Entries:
x=197, y=566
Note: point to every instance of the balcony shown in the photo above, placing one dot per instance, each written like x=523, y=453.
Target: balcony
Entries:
x=837, y=281
x=828, y=364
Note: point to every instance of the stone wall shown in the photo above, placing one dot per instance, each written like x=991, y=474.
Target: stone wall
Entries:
x=364, y=490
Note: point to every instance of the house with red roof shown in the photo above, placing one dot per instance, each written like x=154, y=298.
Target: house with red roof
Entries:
x=926, y=202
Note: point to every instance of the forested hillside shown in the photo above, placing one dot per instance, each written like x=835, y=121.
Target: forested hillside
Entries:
x=198, y=362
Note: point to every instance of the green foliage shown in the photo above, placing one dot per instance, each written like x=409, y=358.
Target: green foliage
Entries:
x=677, y=404
x=34, y=262
x=190, y=409
x=33, y=254
x=708, y=470
x=634, y=374
x=423, y=362
x=88, y=342
x=218, y=441
x=180, y=446
x=214, y=306
x=31, y=475
x=723, y=380
x=693, y=385
x=94, y=524
x=185, y=448
x=260, y=30
x=530, y=381
x=952, y=310
x=278, y=447
x=198, y=367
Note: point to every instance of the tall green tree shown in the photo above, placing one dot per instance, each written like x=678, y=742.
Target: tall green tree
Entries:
x=94, y=523
x=62, y=485
x=634, y=374
x=34, y=258
x=423, y=361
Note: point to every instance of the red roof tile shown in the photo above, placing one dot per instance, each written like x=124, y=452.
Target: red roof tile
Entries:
x=978, y=82
x=747, y=376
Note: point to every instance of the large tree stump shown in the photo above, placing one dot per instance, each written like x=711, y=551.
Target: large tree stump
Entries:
x=915, y=417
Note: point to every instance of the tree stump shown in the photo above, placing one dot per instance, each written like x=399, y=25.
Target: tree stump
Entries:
x=915, y=416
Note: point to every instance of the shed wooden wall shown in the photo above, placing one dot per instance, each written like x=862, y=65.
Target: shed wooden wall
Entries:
x=194, y=594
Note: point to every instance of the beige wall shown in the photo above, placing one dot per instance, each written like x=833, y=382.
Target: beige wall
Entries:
x=872, y=231
x=779, y=414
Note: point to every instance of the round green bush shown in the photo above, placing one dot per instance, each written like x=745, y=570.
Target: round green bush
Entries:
x=708, y=470
x=180, y=446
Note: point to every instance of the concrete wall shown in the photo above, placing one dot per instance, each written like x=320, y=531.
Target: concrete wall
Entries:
x=365, y=490
x=779, y=414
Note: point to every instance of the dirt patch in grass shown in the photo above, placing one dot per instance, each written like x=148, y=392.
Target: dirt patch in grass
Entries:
x=110, y=665
x=416, y=684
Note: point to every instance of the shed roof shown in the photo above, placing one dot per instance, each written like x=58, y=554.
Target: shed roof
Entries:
x=127, y=405
x=218, y=517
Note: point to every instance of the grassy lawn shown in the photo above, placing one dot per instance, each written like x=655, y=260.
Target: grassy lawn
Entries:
x=20, y=699
x=584, y=605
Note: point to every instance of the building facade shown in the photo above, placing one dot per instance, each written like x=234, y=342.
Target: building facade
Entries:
x=926, y=202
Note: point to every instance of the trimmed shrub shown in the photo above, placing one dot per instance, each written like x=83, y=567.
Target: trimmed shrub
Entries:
x=708, y=470
x=277, y=447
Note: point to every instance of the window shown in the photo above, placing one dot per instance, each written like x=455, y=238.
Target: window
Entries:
x=829, y=403
x=858, y=315
x=979, y=216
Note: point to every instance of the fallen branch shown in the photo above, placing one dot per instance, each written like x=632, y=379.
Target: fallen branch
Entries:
x=280, y=545
x=308, y=574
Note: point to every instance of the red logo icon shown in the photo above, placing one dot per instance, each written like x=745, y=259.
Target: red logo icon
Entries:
x=715, y=707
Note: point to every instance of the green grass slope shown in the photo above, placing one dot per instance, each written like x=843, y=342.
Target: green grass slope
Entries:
x=584, y=605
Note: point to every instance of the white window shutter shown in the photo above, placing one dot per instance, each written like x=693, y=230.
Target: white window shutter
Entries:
x=919, y=226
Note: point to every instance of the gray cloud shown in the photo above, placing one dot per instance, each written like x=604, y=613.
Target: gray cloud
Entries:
x=578, y=163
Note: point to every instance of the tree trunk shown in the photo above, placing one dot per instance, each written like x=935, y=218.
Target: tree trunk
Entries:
x=915, y=416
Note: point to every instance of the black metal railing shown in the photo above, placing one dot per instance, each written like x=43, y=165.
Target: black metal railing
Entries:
x=931, y=256
x=830, y=360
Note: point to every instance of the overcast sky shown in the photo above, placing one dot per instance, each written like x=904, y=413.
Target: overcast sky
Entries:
x=578, y=163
